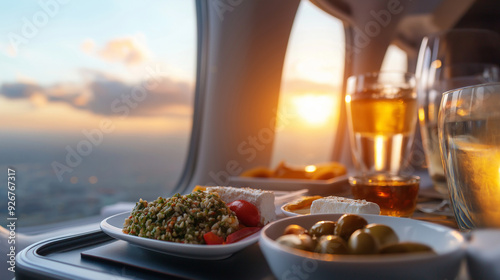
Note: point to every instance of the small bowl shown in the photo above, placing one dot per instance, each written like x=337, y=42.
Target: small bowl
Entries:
x=395, y=194
x=288, y=263
x=305, y=211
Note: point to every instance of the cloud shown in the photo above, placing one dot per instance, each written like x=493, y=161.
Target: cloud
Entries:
x=129, y=51
x=19, y=90
x=105, y=95
x=165, y=96
x=73, y=94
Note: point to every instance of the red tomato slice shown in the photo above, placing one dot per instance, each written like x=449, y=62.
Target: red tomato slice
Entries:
x=212, y=238
x=242, y=233
x=247, y=213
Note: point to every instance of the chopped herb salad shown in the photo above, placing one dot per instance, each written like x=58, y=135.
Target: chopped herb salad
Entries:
x=182, y=218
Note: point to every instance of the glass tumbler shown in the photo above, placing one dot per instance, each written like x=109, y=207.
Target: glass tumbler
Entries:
x=469, y=135
x=382, y=115
x=448, y=60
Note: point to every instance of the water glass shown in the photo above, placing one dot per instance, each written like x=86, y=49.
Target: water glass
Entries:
x=469, y=136
x=448, y=60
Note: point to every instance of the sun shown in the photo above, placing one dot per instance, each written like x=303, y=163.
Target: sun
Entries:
x=314, y=109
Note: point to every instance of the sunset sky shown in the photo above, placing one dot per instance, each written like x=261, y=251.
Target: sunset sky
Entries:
x=80, y=61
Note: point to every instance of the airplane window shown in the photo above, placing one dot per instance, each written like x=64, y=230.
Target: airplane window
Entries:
x=311, y=89
x=96, y=103
x=395, y=59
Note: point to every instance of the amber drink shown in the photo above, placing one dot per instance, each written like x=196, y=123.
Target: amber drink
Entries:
x=382, y=117
x=395, y=195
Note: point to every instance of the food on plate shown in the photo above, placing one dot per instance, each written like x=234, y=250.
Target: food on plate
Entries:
x=283, y=171
x=337, y=204
x=263, y=200
x=212, y=239
x=301, y=205
x=297, y=241
x=349, y=223
x=294, y=229
x=323, y=228
x=331, y=244
x=242, y=233
x=327, y=171
x=350, y=234
x=258, y=172
x=182, y=218
x=302, y=202
x=247, y=213
x=322, y=171
x=362, y=243
x=383, y=234
x=208, y=215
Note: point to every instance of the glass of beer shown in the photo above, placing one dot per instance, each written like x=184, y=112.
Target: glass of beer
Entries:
x=469, y=136
x=382, y=116
x=448, y=60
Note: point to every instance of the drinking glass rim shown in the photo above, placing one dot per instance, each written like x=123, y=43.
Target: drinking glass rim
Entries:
x=484, y=65
x=471, y=87
x=377, y=73
x=378, y=178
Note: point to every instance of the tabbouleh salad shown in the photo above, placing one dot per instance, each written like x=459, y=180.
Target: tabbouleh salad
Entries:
x=182, y=218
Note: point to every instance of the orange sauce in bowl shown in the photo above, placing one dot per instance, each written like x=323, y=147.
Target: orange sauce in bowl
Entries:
x=301, y=205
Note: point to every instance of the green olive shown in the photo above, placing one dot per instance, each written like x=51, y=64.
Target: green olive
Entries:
x=302, y=241
x=362, y=243
x=349, y=223
x=294, y=229
x=383, y=234
x=405, y=247
x=323, y=228
x=331, y=244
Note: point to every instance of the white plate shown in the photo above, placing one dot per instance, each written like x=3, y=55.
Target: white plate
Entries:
x=335, y=186
x=114, y=224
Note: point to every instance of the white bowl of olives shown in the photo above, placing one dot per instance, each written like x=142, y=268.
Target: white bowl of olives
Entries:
x=336, y=246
